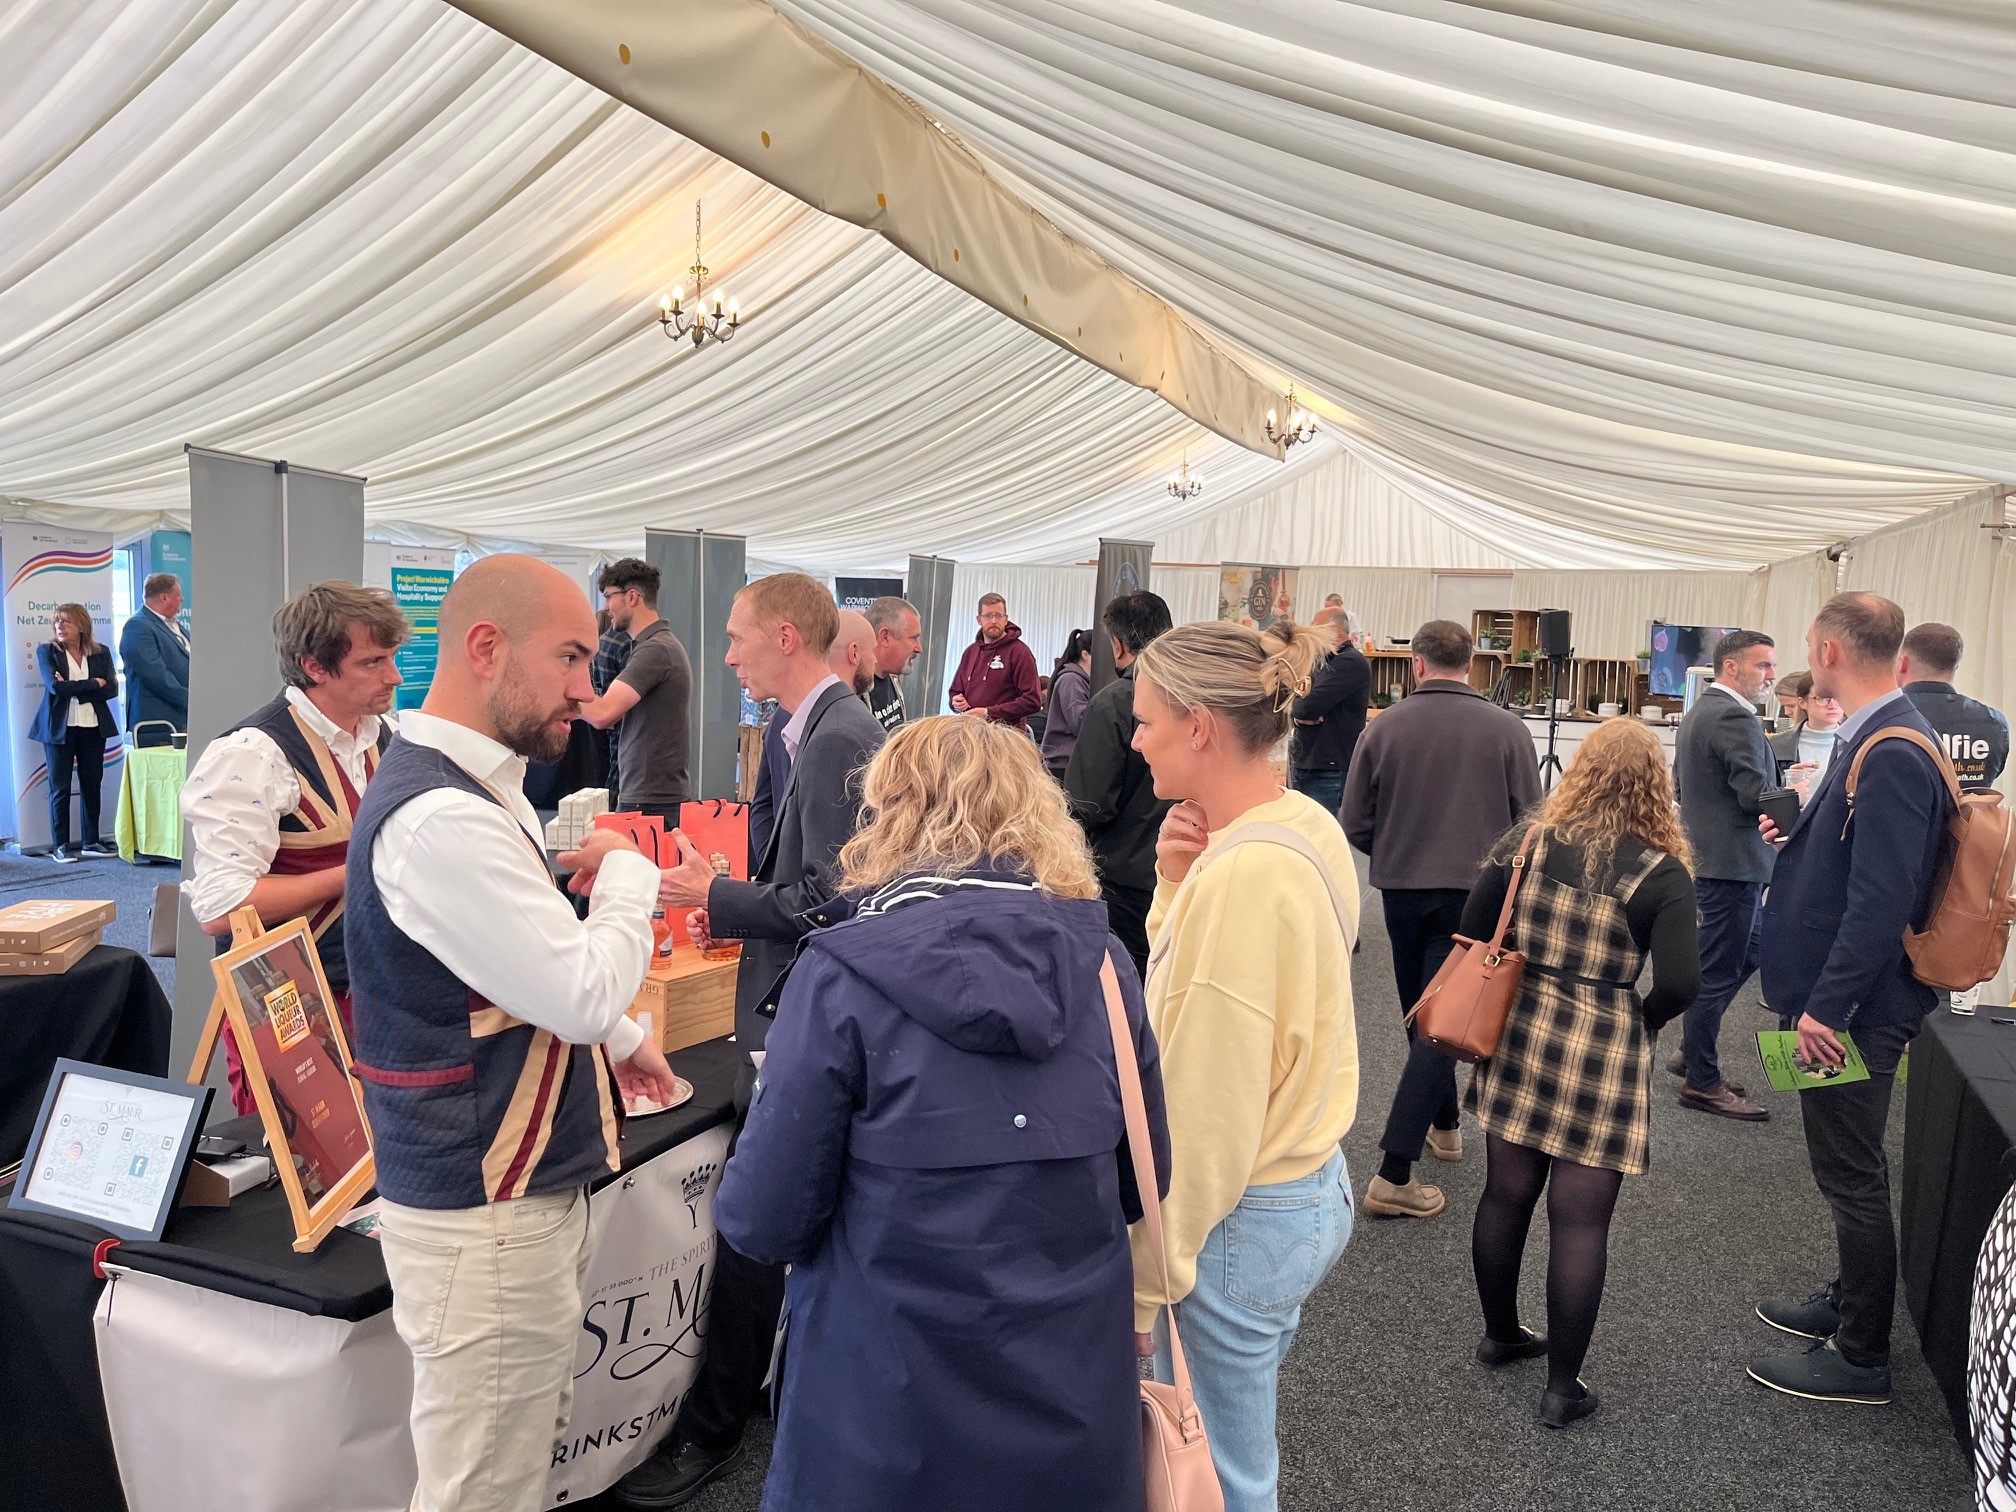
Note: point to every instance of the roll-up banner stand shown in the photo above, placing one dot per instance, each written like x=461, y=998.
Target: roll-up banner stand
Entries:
x=860, y=592
x=584, y=567
x=930, y=589
x=1123, y=568
x=700, y=574
x=261, y=531
x=168, y=551
x=1256, y=595
x=420, y=578
x=46, y=566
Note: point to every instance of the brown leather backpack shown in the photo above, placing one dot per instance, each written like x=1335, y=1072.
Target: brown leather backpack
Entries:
x=1974, y=890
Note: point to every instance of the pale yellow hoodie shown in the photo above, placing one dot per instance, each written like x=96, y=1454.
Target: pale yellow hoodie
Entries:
x=1250, y=999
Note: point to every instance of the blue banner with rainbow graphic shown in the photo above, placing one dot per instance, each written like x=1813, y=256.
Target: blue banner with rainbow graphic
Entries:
x=46, y=565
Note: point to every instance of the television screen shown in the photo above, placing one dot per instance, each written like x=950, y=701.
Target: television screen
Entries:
x=1675, y=648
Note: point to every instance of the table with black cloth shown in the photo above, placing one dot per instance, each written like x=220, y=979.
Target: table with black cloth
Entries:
x=107, y=1009
x=51, y=1392
x=1959, y=1128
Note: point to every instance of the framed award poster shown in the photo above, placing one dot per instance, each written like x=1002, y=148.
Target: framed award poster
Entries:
x=298, y=1063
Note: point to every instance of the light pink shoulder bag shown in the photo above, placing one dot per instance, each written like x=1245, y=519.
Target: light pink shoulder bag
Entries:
x=1179, y=1473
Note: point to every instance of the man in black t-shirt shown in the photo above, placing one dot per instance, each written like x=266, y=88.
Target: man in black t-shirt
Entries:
x=652, y=696
x=1975, y=735
x=899, y=639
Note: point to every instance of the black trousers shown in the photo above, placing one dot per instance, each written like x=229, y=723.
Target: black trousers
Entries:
x=85, y=750
x=1844, y=1143
x=1127, y=916
x=741, y=1330
x=1421, y=924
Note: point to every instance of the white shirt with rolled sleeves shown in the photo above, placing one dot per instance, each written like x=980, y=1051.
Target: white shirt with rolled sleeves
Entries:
x=240, y=791
x=455, y=873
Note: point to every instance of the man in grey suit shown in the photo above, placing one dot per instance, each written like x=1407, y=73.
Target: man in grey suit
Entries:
x=1722, y=764
x=779, y=632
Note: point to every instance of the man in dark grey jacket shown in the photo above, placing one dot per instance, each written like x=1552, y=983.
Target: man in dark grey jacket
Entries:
x=1434, y=782
x=1722, y=763
x=779, y=632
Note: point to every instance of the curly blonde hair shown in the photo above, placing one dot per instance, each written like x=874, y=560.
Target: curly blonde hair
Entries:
x=947, y=793
x=1618, y=784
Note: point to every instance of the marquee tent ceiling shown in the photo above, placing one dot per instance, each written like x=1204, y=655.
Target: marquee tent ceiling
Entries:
x=1613, y=283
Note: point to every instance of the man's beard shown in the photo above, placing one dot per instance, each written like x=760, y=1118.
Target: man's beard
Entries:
x=522, y=726
x=864, y=678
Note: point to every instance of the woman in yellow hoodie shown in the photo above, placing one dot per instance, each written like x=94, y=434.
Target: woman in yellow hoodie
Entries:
x=1249, y=991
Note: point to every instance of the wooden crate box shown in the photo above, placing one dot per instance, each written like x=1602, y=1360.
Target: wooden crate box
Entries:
x=687, y=1002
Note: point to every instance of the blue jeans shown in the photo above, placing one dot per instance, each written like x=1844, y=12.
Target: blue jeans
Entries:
x=1253, y=1273
x=1327, y=788
x=1732, y=918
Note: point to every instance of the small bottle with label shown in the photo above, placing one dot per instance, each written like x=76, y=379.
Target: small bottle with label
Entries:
x=661, y=933
x=721, y=950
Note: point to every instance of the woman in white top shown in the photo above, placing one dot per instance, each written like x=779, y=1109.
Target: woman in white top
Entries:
x=72, y=722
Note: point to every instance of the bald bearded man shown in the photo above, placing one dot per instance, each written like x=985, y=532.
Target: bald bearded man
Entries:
x=852, y=657
x=488, y=1017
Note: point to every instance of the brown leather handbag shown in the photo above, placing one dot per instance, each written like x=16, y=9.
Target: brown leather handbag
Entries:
x=1464, y=1009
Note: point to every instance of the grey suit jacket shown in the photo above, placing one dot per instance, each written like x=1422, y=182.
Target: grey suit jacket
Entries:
x=796, y=874
x=1722, y=762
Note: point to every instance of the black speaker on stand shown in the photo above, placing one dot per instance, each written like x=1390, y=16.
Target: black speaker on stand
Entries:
x=1556, y=644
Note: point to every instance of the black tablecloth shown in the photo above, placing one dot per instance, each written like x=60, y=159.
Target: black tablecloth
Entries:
x=49, y=1389
x=1959, y=1127
x=107, y=1009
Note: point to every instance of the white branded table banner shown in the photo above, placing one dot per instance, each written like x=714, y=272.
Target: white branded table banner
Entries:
x=216, y=1401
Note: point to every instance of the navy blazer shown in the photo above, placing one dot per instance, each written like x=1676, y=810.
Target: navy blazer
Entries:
x=52, y=715
x=773, y=771
x=1845, y=887
x=157, y=672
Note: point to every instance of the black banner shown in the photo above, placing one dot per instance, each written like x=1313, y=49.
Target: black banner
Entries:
x=1123, y=568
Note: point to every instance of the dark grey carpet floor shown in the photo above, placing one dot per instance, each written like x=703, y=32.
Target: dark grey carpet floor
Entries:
x=1382, y=1406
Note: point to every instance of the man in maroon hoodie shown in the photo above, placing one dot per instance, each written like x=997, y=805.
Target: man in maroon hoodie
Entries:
x=997, y=675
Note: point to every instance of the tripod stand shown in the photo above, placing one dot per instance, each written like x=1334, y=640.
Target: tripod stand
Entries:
x=1550, y=764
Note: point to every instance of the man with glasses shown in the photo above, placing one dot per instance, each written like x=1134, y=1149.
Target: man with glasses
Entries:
x=651, y=696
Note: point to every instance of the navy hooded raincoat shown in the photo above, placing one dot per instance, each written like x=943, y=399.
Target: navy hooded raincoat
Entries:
x=933, y=1148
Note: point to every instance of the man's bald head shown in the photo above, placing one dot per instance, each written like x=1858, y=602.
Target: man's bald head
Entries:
x=852, y=655
x=517, y=594
x=516, y=638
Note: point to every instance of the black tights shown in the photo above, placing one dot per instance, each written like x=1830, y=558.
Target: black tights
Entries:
x=1580, y=1200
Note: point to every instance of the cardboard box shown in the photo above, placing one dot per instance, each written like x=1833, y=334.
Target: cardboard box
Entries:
x=39, y=924
x=688, y=1002
x=52, y=962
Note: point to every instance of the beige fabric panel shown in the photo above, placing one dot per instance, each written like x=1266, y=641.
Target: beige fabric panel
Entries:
x=746, y=83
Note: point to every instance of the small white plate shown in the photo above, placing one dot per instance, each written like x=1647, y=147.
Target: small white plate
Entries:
x=637, y=1107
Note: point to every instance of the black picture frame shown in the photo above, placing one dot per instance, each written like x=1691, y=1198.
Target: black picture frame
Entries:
x=196, y=1099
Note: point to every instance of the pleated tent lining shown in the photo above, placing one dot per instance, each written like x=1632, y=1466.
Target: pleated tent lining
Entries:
x=1618, y=286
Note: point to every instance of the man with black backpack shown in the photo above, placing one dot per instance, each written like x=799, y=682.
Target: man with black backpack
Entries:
x=1860, y=867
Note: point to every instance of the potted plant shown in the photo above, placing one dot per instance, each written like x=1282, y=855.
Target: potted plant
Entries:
x=1522, y=700
x=1523, y=659
x=1389, y=698
x=1644, y=661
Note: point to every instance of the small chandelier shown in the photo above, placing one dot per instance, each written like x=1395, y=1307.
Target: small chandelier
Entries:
x=700, y=323
x=1301, y=424
x=1183, y=486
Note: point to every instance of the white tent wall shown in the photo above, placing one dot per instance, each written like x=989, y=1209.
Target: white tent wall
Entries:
x=1387, y=600
x=1941, y=567
x=1612, y=609
x=1190, y=592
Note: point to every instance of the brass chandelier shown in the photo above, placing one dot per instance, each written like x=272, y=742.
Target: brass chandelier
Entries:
x=700, y=324
x=1301, y=424
x=1183, y=486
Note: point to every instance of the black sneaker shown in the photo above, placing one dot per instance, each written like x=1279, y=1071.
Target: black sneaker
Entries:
x=1496, y=1352
x=64, y=856
x=673, y=1476
x=1821, y=1375
x=1815, y=1318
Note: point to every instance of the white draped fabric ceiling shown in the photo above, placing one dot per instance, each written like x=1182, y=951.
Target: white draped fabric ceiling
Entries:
x=1620, y=284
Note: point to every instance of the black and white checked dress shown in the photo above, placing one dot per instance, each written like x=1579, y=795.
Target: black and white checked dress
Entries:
x=1991, y=1365
x=1573, y=1073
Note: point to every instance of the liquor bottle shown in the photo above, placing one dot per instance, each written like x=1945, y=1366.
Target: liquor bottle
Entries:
x=661, y=933
x=720, y=951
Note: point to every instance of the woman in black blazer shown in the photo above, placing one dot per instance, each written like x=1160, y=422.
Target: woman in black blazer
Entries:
x=73, y=722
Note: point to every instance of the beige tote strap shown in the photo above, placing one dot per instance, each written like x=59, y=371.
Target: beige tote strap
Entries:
x=1273, y=834
x=1142, y=1148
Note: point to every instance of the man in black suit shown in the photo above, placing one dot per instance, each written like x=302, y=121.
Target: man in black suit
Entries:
x=156, y=654
x=1722, y=764
x=1849, y=880
x=779, y=632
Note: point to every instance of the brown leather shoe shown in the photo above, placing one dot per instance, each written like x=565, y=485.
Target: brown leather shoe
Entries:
x=1678, y=1066
x=1725, y=1102
x=1414, y=1200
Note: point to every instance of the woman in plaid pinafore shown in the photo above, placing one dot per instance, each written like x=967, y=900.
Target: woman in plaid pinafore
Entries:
x=1565, y=1104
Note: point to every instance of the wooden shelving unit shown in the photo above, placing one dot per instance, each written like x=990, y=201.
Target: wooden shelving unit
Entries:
x=1587, y=682
x=1392, y=673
